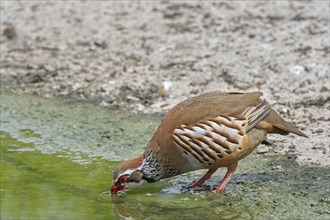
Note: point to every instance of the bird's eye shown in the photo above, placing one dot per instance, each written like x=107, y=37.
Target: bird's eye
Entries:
x=123, y=178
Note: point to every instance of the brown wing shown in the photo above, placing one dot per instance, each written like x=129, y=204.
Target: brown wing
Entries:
x=209, y=141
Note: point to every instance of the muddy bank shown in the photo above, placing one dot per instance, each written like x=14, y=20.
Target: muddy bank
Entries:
x=147, y=56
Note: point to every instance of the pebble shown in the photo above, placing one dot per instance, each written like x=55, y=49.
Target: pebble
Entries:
x=262, y=149
x=132, y=98
x=10, y=32
x=104, y=103
x=297, y=70
x=318, y=131
x=324, y=89
x=278, y=168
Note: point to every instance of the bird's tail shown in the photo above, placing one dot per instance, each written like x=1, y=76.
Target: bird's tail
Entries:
x=281, y=126
x=271, y=120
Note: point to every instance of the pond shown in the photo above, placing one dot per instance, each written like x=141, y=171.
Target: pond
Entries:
x=57, y=158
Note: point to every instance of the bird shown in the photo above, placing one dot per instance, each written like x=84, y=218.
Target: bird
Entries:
x=208, y=131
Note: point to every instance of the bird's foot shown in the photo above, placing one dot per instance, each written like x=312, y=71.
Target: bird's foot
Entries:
x=216, y=191
x=226, y=179
x=201, y=181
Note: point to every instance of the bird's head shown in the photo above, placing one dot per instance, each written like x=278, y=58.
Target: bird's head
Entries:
x=128, y=175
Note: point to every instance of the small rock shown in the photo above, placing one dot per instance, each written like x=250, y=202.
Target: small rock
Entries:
x=164, y=105
x=132, y=98
x=292, y=146
x=90, y=78
x=48, y=67
x=101, y=44
x=194, y=91
x=284, y=111
x=278, y=168
x=140, y=107
x=104, y=103
x=10, y=32
x=267, y=142
x=324, y=89
x=318, y=131
x=262, y=149
x=32, y=66
x=297, y=70
x=167, y=85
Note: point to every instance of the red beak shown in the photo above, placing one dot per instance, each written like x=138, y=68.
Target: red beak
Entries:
x=115, y=188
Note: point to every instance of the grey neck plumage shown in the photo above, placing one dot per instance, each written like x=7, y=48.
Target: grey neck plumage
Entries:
x=154, y=169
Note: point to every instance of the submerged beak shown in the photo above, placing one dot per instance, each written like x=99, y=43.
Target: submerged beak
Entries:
x=115, y=188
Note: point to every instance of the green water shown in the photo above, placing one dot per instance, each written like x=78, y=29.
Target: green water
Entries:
x=48, y=186
x=57, y=158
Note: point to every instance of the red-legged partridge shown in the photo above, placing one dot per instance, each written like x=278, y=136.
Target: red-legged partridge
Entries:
x=204, y=132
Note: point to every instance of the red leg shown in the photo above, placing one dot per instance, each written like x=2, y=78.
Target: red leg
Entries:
x=227, y=178
x=205, y=177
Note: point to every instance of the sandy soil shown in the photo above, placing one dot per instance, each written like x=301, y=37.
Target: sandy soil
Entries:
x=148, y=56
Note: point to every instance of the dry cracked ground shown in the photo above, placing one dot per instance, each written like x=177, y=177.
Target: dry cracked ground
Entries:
x=147, y=56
